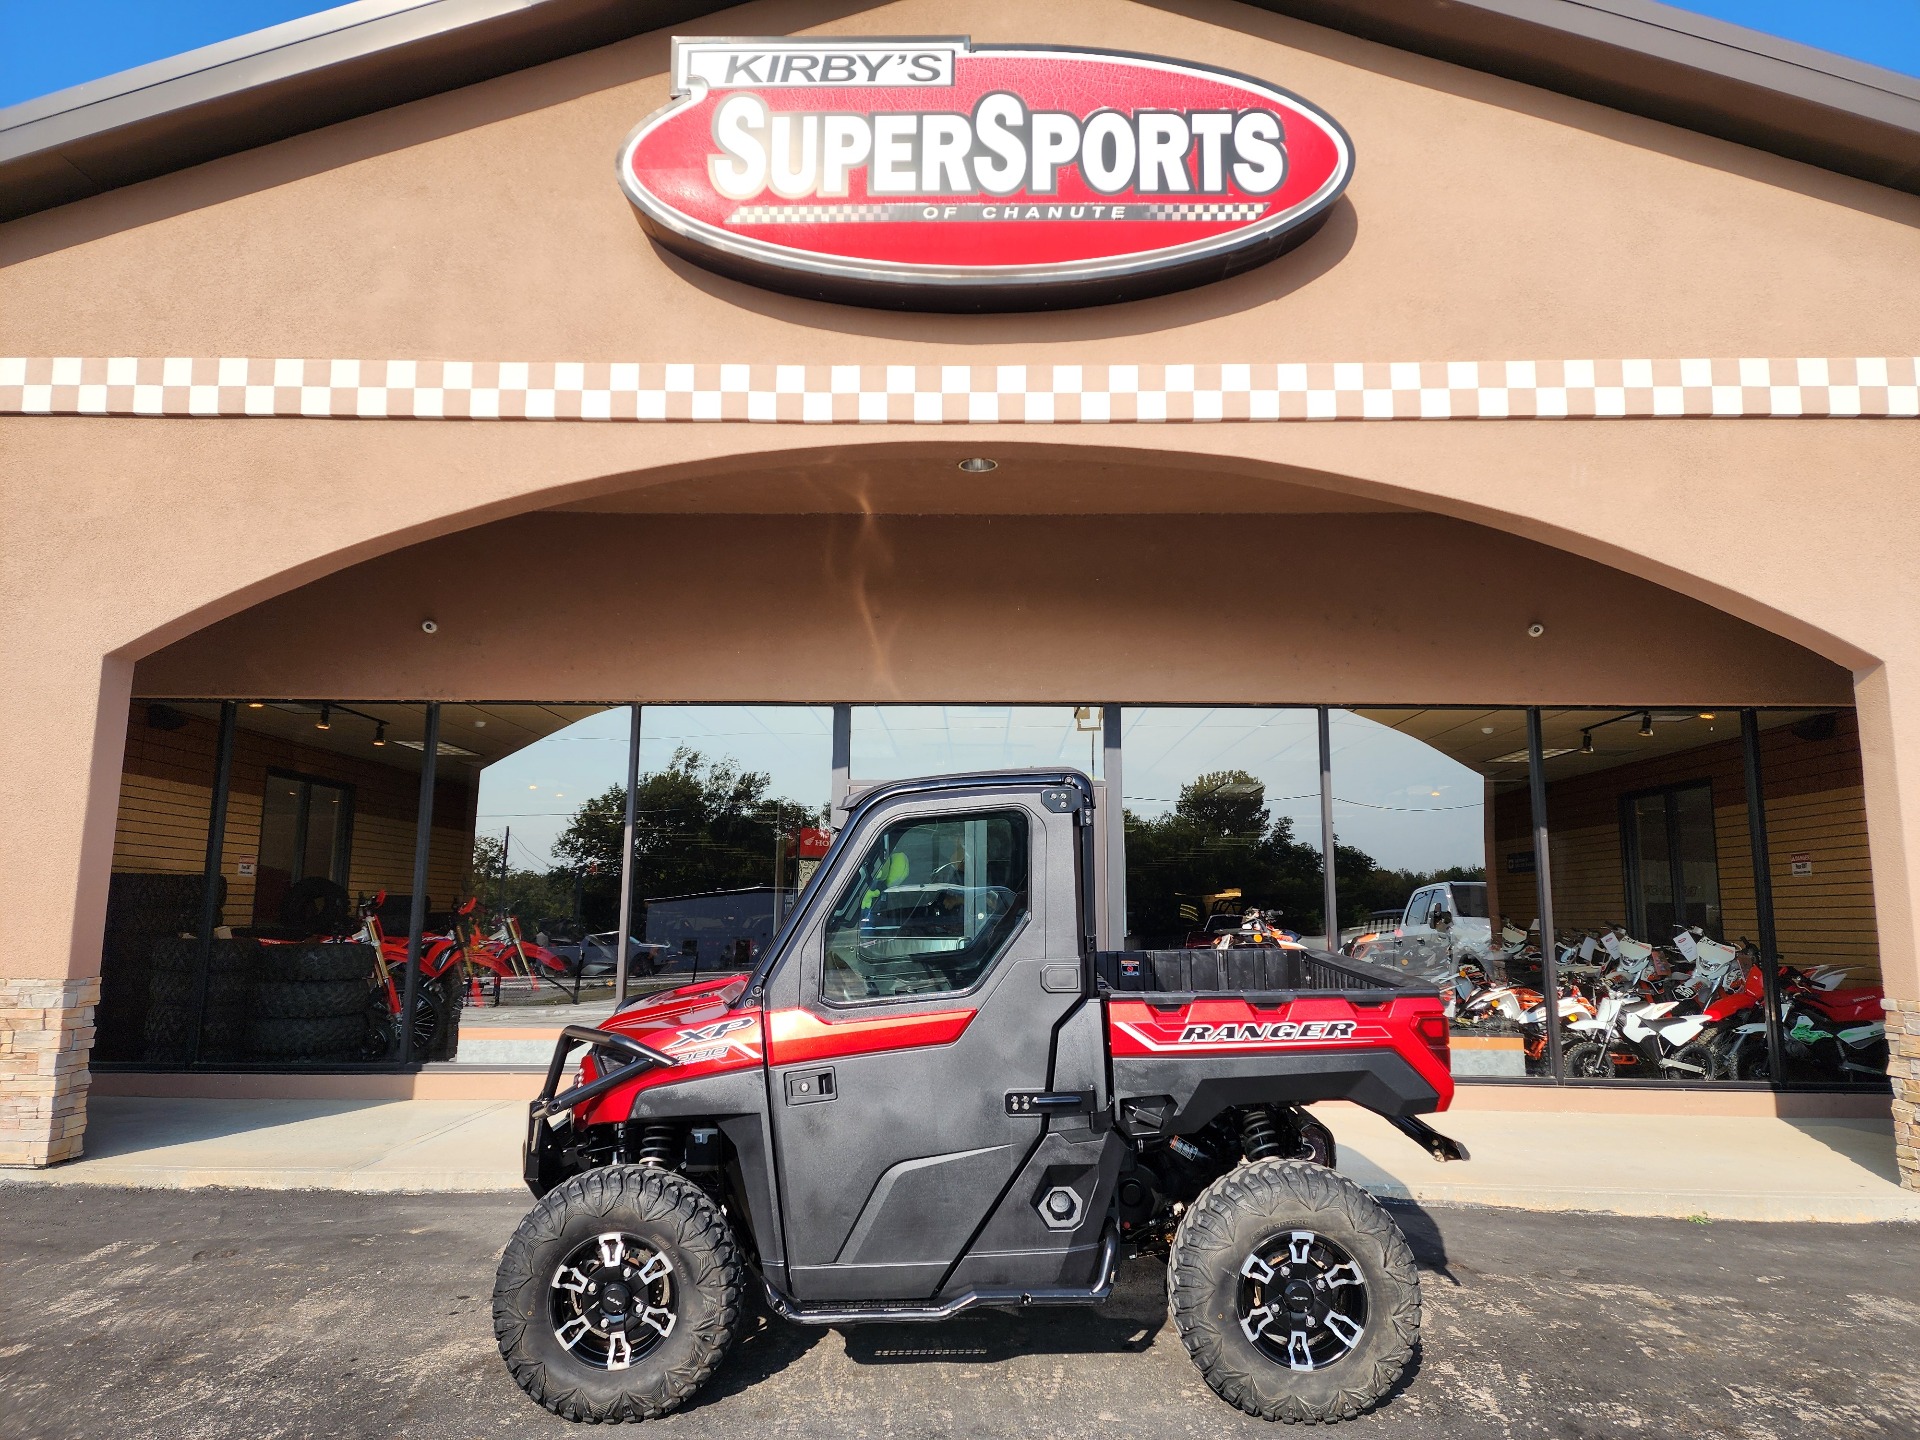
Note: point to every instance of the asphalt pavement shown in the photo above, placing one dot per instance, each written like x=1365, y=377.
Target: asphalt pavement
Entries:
x=232, y=1314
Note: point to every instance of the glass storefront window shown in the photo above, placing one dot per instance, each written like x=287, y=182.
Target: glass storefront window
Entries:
x=533, y=866
x=1653, y=883
x=1415, y=792
x=319, y=855
x=1653, y=891
x=891, y=742
x=1222, y=817
x=155, y=896
x=1833, y=1028
x=729, y=826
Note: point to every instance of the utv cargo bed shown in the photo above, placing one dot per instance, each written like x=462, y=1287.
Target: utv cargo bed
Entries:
x=1195, y=1032
x=1253, y=970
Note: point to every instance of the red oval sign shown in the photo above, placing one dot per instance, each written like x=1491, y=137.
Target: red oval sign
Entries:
x=936, y=174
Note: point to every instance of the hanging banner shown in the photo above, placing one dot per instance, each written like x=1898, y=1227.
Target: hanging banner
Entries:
x=936, y=174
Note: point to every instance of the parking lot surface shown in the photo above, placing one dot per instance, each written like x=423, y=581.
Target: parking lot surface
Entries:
x=245, y=1313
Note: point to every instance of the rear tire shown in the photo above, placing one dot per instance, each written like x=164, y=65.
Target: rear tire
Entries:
x=657, y=1216
x=1702, y=1053
x=1227, y=1238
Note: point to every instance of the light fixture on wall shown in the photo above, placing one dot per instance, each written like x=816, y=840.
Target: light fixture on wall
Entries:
x=1586, y=742
x=325, y=722
x=979, y=465
x=1646, y=724
x=379, y=732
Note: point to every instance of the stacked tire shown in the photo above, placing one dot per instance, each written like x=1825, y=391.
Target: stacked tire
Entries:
x=142, y=910
x=172, y=1001
x=310, y=1003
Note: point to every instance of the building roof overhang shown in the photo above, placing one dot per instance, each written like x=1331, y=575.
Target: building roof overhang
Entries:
x=1631, y=55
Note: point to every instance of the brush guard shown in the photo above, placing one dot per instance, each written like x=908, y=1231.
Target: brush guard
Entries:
x=618, y=1057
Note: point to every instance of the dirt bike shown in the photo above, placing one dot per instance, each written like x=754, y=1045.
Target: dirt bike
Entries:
x=509, y=953
x=1642, y=1037
x=1827, y=1032
x=432, y=1027
x=1471, y=1000
x=1633, y=964
x=1715, y=966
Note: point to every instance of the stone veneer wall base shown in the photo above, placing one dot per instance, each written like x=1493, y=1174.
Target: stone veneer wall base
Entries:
x=1903, y=1068
x=46, y=1035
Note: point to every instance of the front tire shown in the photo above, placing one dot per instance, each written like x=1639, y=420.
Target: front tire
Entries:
x=1588, y=1061
x=1294, y=1293
x=618, y=1295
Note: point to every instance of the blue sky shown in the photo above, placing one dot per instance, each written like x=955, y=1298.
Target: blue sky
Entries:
x=47, y=45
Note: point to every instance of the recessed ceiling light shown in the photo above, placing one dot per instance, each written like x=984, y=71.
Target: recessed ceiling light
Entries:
x=979, y=465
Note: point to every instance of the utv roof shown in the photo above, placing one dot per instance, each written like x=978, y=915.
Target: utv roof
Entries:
x=1632, y=55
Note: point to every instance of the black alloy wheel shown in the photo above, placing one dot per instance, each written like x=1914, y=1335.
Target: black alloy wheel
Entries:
x=619, y=1294
x=1294, y=1292
x=1303, y=1301
x=611, y=1301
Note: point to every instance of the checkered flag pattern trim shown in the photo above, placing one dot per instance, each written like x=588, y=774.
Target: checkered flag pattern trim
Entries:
x=806, y=214
x=1019, y=394
x=1236, y=211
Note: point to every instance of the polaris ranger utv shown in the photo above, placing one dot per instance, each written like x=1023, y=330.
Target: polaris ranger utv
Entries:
x=934, y=1093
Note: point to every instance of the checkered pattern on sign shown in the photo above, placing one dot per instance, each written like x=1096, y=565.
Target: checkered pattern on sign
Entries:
x=961, y=394
x=807, y=214
x=1221, y=211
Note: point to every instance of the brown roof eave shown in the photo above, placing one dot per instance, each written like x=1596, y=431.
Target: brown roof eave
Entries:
x=1632, y=55
x=292, y=78
x=1667, y=64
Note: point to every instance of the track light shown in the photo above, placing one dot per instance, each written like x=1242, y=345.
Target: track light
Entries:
x=379, y=732
x=325, y=722
x=1646, y=724
x=1586, y=742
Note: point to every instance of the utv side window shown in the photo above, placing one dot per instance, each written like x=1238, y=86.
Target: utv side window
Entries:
x=935, y=901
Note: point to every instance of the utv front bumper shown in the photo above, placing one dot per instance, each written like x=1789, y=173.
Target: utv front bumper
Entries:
x=616, y=1057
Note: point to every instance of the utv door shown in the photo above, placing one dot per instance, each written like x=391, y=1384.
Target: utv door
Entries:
x=924, y=990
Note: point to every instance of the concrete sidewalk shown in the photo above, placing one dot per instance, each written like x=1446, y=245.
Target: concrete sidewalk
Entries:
x=1722, y=1168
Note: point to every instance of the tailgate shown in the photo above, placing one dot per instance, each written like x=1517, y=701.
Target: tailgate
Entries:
x=1182, y=1056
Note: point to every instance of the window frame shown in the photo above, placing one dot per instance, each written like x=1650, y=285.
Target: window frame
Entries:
x=342, y=858
x=987, y=971
x=1631, y=866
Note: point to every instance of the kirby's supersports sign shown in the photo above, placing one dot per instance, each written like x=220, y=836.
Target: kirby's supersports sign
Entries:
x=938, y=174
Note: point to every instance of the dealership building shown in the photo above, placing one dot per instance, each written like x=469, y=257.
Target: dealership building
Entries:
x=1485, y=434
